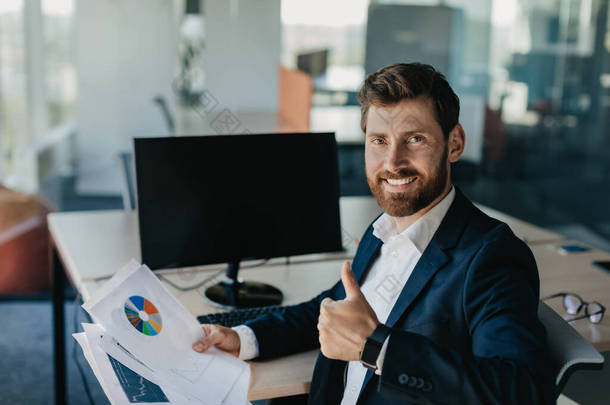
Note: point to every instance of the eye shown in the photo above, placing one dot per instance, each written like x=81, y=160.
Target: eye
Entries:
x=377, y=141
x=415, y=139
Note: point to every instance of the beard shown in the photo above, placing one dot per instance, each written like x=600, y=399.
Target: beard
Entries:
x=424, y=191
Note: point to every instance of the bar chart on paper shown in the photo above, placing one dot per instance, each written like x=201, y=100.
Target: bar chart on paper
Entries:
x=137, y=388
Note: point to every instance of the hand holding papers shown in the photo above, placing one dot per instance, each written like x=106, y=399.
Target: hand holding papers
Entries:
x=142, y=326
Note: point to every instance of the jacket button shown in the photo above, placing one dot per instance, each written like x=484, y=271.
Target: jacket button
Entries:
x=427, y=387
x=403, y=379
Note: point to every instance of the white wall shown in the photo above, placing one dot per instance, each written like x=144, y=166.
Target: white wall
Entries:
x=126, y=53
x=243, y=47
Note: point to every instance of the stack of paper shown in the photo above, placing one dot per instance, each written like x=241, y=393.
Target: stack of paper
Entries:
x=140, y=347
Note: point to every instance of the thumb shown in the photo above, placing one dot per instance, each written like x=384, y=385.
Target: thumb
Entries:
x=352, y=289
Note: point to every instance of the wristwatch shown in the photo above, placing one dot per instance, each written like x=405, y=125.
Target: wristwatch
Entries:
x=373, y=345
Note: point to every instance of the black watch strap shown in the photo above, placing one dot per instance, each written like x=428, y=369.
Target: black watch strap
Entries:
x=373, y=345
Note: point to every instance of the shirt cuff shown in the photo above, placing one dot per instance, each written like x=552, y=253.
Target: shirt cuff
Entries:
x=248, y=344
x=381, y=356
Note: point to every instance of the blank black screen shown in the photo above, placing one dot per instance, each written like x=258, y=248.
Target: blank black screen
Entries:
x=215, y=199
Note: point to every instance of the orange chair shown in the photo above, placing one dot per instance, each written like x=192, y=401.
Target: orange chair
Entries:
x=295, y=92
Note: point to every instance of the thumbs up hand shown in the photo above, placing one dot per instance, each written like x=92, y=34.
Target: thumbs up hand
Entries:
x=344, y=325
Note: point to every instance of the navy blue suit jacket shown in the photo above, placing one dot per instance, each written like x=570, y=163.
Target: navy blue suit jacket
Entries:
x=464, y=329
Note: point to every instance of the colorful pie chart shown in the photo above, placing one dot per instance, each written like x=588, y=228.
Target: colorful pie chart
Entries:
x=143, y=315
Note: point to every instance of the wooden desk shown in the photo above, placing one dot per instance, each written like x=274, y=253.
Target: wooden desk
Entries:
x=529, y=233
x=289, y=375
x=94, y=245
x=362, y=210
x=575, y=273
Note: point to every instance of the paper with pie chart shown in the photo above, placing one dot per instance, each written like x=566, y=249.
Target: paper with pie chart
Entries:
x=149, y=323
x=143, y=315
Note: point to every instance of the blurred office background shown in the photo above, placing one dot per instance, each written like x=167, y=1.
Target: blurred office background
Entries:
x=80, y=78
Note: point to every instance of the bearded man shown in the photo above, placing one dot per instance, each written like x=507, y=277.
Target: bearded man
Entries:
x=440, y=303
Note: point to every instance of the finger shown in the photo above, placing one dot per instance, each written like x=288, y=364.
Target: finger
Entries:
x=213, y=338
x=199, y=345
x=322, y=319
x=350, y=284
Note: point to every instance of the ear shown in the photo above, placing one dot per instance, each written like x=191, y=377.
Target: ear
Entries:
x=456, y=143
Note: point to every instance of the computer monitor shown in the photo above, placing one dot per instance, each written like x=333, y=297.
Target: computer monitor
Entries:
x=224, y=199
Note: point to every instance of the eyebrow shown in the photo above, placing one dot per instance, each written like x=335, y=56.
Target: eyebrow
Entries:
x=404, y=133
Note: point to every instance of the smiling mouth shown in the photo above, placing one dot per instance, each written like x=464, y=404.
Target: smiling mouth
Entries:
x=400, y=182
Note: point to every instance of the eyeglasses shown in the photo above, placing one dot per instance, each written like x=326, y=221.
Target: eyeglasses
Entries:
x=572, y=304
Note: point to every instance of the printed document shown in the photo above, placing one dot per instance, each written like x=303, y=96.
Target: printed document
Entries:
x=143, y=337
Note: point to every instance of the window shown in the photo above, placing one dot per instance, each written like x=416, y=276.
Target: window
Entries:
x=339, y=27
x=13, y=102
x=37, y=85
x=60, y=75
x=533, y=77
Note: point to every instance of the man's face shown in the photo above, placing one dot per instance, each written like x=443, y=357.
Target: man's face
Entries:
x=406, y=156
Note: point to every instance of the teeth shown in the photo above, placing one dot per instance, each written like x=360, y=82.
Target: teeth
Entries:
x=398, y=182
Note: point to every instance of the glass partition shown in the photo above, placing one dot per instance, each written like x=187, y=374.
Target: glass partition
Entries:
x=533, y=77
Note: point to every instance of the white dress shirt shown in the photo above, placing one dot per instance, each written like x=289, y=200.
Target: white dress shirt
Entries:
x=382, y=284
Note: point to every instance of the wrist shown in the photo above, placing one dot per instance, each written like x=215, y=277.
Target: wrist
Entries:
x=372, y=346
x=381, y=357
x=247, y=342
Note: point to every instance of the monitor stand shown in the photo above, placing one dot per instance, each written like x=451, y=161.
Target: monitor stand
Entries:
x=235, y=293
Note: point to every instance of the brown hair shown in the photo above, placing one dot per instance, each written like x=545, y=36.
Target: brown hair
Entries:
x=400, y=81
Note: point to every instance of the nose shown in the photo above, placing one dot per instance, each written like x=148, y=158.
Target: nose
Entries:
x=396, y=157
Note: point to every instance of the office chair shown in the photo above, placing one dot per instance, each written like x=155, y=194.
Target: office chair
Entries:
x=126, y=158
x=569, y=351
x=25, y=266
x=128, y=184
x=167, y=115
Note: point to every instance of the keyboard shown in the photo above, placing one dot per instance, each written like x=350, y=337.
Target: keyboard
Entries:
x=239, y=316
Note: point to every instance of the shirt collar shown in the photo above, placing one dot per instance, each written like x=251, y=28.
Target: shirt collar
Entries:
x=421, y=231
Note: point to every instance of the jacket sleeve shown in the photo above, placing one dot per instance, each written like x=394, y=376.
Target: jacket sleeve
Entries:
x=509, y=362
x=296, y=330
x=293, y=331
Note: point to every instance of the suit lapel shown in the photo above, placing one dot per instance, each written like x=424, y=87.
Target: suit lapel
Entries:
x=435, y=256
x=370, y=252
x=367, y=252
x=431, y=261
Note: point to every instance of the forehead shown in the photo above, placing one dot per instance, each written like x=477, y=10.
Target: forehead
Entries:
x=409, y=114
